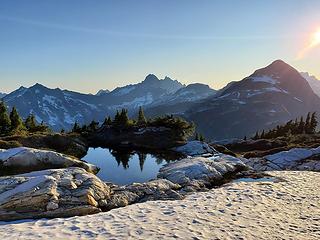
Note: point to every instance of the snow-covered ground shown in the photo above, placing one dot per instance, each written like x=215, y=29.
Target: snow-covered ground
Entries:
x=288, y=209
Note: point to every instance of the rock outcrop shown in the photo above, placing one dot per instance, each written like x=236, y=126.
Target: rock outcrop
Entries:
x=70, y=144
x=196, y=148
x=159, y=189
x=198, y=173
x=52, y=193
x=293, y=159
x=22, y=160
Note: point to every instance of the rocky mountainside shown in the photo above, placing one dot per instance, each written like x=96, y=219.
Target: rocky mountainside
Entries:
x=56, y=107
x=271, y=95
x=2, y=95
x=181, y=100
x=61, y=108
x=313, y=82
x=102, y=92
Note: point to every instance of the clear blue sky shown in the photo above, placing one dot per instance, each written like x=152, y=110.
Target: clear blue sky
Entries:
x=93, y=44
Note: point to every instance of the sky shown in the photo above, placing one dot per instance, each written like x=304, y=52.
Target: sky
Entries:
x=101, y=44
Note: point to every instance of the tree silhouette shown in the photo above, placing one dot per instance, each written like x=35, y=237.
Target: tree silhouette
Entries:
x=5, y=123
x=141, y=117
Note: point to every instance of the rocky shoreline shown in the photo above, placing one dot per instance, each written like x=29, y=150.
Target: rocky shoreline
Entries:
x=71, y=188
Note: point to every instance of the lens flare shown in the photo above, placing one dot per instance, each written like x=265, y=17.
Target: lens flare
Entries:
x=313, y=42
x=316, y=39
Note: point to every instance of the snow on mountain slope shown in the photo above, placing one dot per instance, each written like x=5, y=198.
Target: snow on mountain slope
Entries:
x=2, y=95
x=61, y=108
x=313, y=82
x=102, y=92
x=56, y=107
x=271, y=95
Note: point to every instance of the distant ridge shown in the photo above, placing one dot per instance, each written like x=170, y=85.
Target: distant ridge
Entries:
x=61, y=108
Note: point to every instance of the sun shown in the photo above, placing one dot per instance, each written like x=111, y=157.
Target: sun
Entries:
x=315, y=38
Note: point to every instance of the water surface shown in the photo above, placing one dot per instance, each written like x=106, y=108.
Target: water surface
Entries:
x=125, y=167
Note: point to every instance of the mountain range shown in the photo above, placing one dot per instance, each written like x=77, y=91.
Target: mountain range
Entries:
x=62, y=108
x=313, y=82
x=269, y=96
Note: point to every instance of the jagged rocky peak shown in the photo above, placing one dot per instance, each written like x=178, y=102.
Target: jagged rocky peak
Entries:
x=102, y=92
x=167, y=84
x=150, y=78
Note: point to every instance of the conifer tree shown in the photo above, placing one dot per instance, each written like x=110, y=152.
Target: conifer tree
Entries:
x=124, y=119
x=301, y=127
x=107, y=121
x=201, y=138
x=116, y=119
x=313, y=123
x=16, y=121
x=141, y=117
x=30, y=123
x=93, y=126
x=256, y=136
x=262, y=134
x=197, y=138
x=307, y=123
x=76, y=128
x=5, y=123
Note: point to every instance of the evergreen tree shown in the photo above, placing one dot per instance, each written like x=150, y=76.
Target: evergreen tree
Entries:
x=93, y=126
x=197, y=138
x=141, y=117
x=116, y=120
x=16, y=121
x=245, y=138
x=121, y=119
x=301, y=127
x=307, y=124
x=30, y=123
x=124, y=119
x=295, y=129
x=313, y=123
x=5, y=123
x=262, y=134
x=84, y=128
x=76, y=128
x=107, y=121
x=256, y=136
x=201, y=138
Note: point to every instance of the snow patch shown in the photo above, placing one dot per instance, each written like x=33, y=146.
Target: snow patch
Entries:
x=266, y=79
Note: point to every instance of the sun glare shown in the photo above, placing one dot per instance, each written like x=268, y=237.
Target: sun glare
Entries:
x=314, y=41
x=316, y=38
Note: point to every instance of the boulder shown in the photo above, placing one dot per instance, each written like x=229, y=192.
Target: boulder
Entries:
x=70, y=144
x=159, y=189
x=196, y=148
x=293, y=159
x=22, y=160
x=198, y=172
x=51, y=193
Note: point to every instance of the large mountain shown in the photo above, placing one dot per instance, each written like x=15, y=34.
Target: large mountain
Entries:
x=56, y=107
x=313, y=82
x=61, y=108
x=271, y=95
x=2, y=95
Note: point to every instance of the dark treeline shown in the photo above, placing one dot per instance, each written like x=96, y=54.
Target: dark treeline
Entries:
x=293, y=127
x=122, y=122
x=11, y=123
